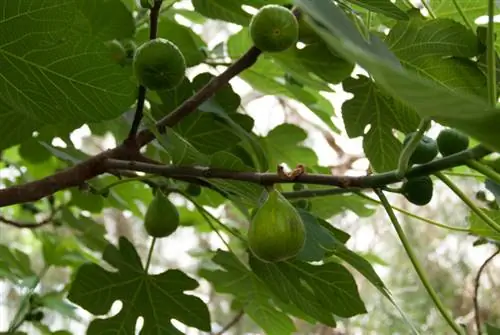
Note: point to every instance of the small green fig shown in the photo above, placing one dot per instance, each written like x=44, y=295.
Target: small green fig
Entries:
x=276, y=232
x=274, y=28
x=425, y=151
x=450, y=141
x=162, y=217
x=418, y=190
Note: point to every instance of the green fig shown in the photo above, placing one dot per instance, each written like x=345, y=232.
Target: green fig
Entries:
x=274, y=28
x=450, y=141
x=425, y=151
x=162, y=217
x=418, y=190
x=276, y=232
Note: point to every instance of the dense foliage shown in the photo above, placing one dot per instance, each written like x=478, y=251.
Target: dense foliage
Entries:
x=173, y=146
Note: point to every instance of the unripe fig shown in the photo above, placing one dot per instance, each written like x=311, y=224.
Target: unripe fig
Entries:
x=117, y=52
x=274, y=28
x=162, y=217
x=418, y=190
x=276, y=232
x=159, y=65
x=426, y=150
x=450, y=141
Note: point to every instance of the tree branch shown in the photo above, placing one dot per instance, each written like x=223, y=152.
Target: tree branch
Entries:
x=207, y=91
x=232, y=323
x=477, y=317
x=268, y=178
x=141, y=95
x=29, y=225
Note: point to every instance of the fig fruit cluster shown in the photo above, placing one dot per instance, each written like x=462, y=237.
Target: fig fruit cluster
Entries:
x=277, y=232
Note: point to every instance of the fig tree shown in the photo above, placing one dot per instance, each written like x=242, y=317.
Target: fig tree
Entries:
x=274, y=28
x=159, y=65
x=162, y=217
x=418, y=190
x=450, y=141
x=425, y=151
x=276, y=232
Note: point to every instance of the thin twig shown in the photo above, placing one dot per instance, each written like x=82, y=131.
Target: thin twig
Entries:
x=30, y=225
x=141, y=95
x=475, y=299
x=232, y=323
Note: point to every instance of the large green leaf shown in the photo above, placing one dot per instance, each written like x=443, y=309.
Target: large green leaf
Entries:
x=318, y=239
x=98, y=14
x=370, y=106
x=56, y=67
x=439, y=50
x=453, y=108
x=157, y=298
x=320, y=291
x=234, y=278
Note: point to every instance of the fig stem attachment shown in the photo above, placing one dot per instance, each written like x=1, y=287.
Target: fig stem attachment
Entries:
x=150, y=254
x=416, y=263
x=409, y=148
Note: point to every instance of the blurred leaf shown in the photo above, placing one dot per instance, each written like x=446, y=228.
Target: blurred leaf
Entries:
x=61, y=250
x=55, y=301
x=480, y=228
x=284, y=144
x=253, y=295
x=86, y=200
x=15, y=266
x=157, y=298
x=88, y=232
x=492, y=330
x=33, y=151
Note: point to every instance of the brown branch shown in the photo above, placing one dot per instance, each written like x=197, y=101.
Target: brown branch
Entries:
x=29, y=225
x=232, y=323
x=267, y=178
x=477, y=317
